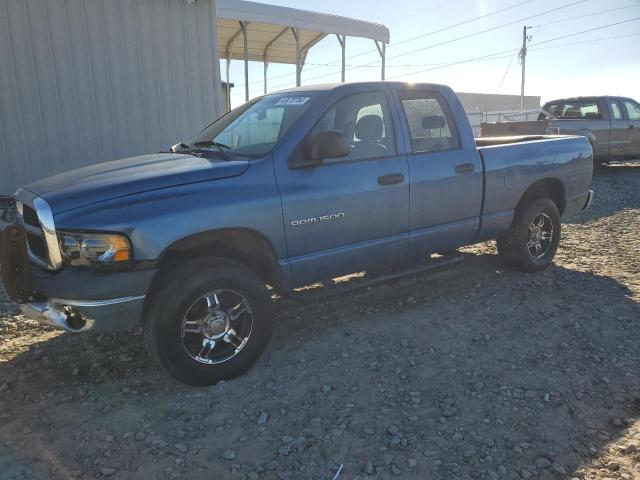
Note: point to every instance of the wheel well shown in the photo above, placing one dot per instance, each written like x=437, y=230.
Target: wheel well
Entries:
x=549, y=187
x=238, y=244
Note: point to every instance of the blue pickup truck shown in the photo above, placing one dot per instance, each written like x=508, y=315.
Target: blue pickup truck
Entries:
x=287, y=190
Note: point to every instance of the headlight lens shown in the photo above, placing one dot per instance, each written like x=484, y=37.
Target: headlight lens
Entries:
x=86, y=249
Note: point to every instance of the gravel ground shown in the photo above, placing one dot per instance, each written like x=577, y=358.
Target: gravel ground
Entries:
x=468, y=372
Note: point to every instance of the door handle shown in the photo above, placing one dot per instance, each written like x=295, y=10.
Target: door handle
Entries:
x=391, y=179
x=465, y=168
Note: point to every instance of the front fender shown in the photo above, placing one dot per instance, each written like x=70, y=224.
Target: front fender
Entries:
x=155, y=220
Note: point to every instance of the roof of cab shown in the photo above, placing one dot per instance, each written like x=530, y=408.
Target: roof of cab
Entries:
x=332, y=86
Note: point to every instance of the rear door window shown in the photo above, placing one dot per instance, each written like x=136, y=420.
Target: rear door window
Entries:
x=430, y=123
x=616, y=111
x=633, y=109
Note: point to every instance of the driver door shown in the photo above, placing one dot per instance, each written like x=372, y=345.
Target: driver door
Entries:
x=348, y=214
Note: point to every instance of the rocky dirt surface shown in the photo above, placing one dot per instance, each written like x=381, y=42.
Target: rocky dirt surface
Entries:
x=468, y=372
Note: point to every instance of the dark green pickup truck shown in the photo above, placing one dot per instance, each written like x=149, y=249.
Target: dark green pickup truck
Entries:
x=612, y=125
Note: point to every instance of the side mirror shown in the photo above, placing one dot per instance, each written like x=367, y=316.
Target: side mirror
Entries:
x=321, y=146
x=326, y=145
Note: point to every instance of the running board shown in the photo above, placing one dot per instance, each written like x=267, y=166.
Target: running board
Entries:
x=337, y=289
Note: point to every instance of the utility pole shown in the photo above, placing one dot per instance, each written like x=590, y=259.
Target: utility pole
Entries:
x=523, y=57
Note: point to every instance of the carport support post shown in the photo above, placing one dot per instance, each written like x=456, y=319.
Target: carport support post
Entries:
x=381, y=46
x=228, y=92
x=243, y=26
x=296, y=34
x=342, y=39
x=266, y=66
x=267, y=54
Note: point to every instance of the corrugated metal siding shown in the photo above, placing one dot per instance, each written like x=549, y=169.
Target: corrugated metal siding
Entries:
x=85, y=81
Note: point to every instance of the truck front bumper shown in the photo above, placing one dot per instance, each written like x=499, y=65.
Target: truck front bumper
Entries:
x=82, y=315
x=73, y=299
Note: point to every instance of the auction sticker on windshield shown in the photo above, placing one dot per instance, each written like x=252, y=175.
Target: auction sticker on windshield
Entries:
x=293, y=101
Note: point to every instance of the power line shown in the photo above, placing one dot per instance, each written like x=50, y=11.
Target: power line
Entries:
x=520, y=20
x=461, y=23
x=600, y=12
x=361, y=54
x=459, y=38
x=535, y=44
x=401, y=19
x=586, y=41
x=422, y=12
x=499, y=56
x=453, y=40
x=537, y=26
x=590, y=14
x=589, y=30
x=440, y=30
x=508, y=67
x=491, y=56
x=513, y=50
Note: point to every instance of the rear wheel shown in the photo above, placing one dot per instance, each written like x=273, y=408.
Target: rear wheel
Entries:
x=532, y=241
x=210, y=321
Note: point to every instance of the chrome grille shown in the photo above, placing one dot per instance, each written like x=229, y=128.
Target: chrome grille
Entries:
x=42, y=244
x=37, y=246
x=29, y=216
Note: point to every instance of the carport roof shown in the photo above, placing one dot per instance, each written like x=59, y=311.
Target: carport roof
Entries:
x=269, y=30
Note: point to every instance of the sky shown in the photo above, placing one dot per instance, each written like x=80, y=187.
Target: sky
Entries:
x=589, y=63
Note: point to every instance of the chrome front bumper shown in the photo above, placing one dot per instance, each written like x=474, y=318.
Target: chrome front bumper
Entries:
x=82, y=315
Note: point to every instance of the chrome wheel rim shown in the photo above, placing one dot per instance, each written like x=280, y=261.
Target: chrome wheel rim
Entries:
x=217, y=326
x=540, y=236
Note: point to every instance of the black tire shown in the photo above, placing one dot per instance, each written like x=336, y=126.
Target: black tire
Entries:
x=513, y=245
x=180, y=291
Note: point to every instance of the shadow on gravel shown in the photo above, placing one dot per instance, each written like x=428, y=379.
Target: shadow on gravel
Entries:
x=468, y=372
x=616, y=187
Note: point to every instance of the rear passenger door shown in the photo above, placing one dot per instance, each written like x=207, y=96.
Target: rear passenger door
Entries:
x=446, y=179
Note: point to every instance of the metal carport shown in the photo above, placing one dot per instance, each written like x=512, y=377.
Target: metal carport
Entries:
x=273, y=34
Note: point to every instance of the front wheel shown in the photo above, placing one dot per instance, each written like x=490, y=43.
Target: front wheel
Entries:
x=209, y=321
x=532, y=241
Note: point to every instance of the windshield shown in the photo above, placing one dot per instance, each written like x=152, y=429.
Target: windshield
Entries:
x=253, y=129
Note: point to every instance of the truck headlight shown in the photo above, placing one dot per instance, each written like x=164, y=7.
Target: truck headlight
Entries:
x=87, y=249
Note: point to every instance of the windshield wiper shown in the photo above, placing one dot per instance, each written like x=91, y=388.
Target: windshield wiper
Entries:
x=211, y=143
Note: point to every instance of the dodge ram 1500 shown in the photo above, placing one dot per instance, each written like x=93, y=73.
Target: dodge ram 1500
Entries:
x=289, y=189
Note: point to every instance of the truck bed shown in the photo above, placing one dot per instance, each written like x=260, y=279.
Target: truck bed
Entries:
x=505, y=140
x=512, y=164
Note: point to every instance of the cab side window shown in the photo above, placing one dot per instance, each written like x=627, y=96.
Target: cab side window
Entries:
x=633, y=109
x=615, y=109
x=430, y=123
x=364, y=120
